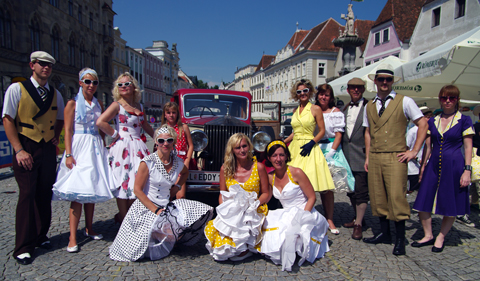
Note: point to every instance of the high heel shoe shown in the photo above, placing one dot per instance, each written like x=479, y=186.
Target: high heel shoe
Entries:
x=94, y=237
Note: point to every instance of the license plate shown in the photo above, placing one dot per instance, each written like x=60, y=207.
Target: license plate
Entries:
x=203, y=176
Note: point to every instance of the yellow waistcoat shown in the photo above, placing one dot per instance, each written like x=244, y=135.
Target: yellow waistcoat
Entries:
x=387, y=133
x=35, y=118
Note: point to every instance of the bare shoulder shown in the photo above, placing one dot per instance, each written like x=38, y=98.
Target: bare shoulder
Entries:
x=70, y=104
x=335, y=109
x=295, y=171
x=260, y=165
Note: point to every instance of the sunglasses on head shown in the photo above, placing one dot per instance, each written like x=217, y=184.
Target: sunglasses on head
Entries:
x=44, y=63
x=162, y=141
x=383, y=79
x=305, y=91
x=88, y=82
x=451, y=99
x=126, y=84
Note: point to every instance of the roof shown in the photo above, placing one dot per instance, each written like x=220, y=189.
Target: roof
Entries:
x=319, y=38
x=404, y=15
x=265, y=62
x=184, y=78
x=428, y=2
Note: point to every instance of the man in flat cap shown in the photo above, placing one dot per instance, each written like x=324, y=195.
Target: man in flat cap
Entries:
x=353, y=144
x=33, y=119
x=386, y=118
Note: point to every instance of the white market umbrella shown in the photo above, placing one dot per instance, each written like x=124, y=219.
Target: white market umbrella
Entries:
x=339, y=85
x=261, y=116
x=454, y=62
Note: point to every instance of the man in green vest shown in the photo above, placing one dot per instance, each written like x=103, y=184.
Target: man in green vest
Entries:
x=386, y=118
x=33, y=119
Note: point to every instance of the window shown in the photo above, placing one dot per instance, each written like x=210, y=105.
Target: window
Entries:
x=55, y=42
x=106, y=68
x=83, y=56
x=321, y=69
x=80, y=14
x=386, y=35
x=110, y=28
x=90, y=22
x=93, y=59
x=377, y=38
x=70, y=7
x=436, y=17
x=304, y=69
x=459, y=8
x=5, y=30
x=298, y=70
x=54, y=3
x=71, y=51
x=368, y=63
x=35, y=35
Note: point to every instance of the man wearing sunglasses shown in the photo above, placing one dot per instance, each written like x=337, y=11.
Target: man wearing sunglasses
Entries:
x=386, y=119
x=33, y=119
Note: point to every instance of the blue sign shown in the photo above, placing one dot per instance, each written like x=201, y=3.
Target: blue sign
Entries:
x=6, y=150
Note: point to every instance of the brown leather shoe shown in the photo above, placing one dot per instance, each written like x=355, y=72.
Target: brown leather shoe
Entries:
x=349, y=224
x=357, y=232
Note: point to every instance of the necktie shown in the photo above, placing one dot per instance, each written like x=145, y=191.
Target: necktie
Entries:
x=382, y=109
x=43, y=93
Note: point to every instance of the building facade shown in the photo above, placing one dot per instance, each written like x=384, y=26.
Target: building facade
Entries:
x=170, y=59
x=441, y=21
x=242, y=77
x=119, y=59
x=76, y=33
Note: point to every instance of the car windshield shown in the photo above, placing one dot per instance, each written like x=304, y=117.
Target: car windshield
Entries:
x=195, y=105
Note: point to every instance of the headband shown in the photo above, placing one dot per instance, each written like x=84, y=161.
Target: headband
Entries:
x=384, y=71
x=88, y=71
x=162, y=130
x=274, y=143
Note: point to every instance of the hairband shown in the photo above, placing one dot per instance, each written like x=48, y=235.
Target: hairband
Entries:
x=276, y=142
x=163, y=130
x=88, y=71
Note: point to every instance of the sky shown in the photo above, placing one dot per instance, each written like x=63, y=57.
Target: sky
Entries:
x=215, y=37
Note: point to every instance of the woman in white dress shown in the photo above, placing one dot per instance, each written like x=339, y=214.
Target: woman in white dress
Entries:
x=297, y=228
x=153, y=224
x=127, y=147
x=244, y=192
x=83, y=176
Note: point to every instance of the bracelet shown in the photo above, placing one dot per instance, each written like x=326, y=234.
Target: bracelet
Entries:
x=115, y=134
x=468, y=168
x=179, y=186
x=18, y=151
x=156, y=211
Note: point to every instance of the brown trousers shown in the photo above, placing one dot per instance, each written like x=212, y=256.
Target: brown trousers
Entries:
x=387, y=186
x=34, y=210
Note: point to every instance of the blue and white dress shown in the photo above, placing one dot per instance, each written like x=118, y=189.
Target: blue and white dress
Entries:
x=90, y=180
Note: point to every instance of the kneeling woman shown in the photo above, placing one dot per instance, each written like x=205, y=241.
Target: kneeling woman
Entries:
x=244, y=192
x=297, y=228
x=153, y=224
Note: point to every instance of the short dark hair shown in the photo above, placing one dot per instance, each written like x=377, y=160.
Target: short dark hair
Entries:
x=322, y=89
x=269, y=153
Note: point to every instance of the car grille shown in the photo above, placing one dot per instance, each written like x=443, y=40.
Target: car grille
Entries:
x=218, y=136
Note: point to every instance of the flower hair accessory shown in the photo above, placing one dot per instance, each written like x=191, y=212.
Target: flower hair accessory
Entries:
x=274, y=143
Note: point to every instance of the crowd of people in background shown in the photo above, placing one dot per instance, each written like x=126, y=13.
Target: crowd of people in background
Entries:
x=378, y=151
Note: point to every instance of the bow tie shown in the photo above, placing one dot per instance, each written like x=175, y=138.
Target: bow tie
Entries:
x=353, y=104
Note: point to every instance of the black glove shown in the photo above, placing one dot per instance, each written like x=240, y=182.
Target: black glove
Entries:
x=307, y=148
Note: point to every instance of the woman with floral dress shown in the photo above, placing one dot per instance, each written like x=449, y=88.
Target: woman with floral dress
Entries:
x=127, y=148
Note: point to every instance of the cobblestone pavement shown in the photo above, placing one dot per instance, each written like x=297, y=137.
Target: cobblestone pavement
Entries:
x=348, y=259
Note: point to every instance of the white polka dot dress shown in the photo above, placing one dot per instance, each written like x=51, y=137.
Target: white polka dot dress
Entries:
x=145, y=234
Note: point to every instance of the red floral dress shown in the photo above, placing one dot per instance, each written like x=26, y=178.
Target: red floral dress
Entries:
x=127, y=152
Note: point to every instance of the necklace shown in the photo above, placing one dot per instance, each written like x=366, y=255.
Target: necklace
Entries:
x=169, y=161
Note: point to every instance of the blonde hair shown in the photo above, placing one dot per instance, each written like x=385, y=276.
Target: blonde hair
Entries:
x=171, y=132
x=307, y=84
x=137, y=93
x=85, y=71
x=229, y=161
x=173, y=105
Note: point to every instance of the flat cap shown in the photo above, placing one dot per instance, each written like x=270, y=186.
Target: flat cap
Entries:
x=42, y=56
x=356, y=81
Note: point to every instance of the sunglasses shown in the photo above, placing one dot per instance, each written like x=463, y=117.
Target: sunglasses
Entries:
x=44, y=63
x=88, y=82
x=305, y=91
x=445, y=98
x=126, y=84
x=162, y=141
x=383, y=79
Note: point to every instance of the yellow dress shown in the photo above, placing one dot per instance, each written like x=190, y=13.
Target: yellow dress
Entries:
x=315, y=166
x=247, y=234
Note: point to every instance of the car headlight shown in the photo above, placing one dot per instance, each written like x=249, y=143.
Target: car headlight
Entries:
x=260, y=141
x=200, y=140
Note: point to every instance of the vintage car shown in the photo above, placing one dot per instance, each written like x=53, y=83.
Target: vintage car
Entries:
x=213, y=116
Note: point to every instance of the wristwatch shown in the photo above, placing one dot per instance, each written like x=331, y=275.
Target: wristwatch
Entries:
x=468, y=168
x=68, y=155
